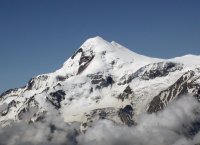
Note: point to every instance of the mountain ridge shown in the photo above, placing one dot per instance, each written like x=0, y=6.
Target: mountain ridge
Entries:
x=105, y=77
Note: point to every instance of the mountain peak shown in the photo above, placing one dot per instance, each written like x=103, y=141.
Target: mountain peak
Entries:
x=102, y=80
x=95, y=40
x=95, y=43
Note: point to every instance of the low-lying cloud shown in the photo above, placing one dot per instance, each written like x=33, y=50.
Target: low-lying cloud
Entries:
x=169, y=127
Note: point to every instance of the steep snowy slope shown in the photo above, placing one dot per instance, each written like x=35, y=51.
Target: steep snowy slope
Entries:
x=103, y=80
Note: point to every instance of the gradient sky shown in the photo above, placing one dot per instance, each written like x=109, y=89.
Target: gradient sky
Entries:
x=37, y=36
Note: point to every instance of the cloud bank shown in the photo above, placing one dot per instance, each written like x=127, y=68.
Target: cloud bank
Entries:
x=176, y=125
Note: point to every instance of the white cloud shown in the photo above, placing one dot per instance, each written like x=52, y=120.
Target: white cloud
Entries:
x=163, y=128
x=167, y=127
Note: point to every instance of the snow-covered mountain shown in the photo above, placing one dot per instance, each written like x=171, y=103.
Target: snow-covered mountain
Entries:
x=103, y=80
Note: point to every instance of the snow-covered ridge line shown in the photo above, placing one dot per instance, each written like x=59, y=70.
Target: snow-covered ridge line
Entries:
x=106, y=77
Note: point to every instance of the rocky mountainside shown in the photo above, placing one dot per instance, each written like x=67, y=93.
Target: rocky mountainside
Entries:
x=103, y=80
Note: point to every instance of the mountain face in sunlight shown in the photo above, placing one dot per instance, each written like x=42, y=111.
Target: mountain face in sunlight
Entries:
x=105, y=85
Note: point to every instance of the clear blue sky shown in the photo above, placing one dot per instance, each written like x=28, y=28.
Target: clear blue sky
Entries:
x=37, y=36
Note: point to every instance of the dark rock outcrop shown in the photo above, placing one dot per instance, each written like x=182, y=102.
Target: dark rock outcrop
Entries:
x=153, y=71
x=10, y=91
x=29, y=108
x=179, y=88
x=84, y=62
x=55, y=98
x=80, y=50
x=126, y=115
x=94, y=115
x=8, y=107
x=126, y=93
x=35, y=82
x=100, y=81
x=96, y=78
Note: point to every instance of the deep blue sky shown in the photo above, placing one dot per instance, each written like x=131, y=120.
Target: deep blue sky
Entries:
x=37, y=36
